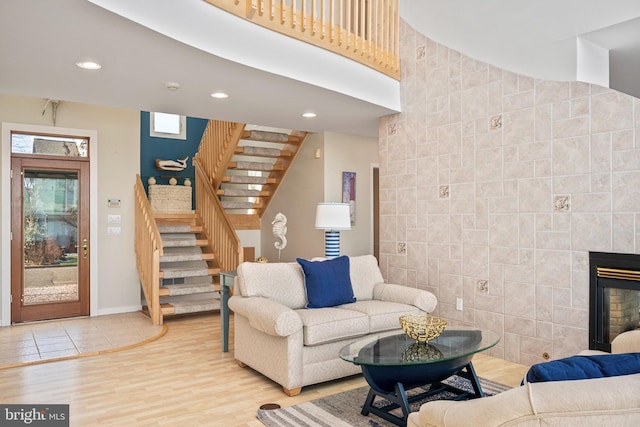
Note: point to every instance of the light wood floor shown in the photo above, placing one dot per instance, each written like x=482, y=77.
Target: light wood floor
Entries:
x=183, y=378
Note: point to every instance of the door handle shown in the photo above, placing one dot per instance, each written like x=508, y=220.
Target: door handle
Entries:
x=85, y=248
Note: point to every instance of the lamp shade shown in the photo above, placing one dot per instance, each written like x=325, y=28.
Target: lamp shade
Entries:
x=333, y=216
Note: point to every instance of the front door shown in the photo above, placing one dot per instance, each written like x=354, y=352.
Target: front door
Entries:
x=50, y=237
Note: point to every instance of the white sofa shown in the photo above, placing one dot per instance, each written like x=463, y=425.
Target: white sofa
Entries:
x=296, y=346
x=612, y=401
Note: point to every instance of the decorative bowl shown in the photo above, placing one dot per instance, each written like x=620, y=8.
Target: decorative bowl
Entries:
x=422, y=328
x=421, y=352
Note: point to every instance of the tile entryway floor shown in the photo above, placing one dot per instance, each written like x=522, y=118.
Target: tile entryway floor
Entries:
x=44, y=341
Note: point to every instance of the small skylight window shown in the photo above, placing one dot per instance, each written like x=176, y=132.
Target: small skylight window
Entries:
x=164, y=125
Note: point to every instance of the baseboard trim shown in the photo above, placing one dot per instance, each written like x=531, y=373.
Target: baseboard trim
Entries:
x=117, y=310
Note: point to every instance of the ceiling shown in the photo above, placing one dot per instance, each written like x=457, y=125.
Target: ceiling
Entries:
x=535, y=38
x=40, y=41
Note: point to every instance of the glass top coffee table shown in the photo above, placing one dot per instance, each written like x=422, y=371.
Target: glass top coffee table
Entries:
x=393, y=363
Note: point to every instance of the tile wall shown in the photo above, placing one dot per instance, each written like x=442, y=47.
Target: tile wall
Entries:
x=494, y=187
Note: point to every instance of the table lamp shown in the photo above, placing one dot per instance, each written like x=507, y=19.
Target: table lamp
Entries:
x=332, y=217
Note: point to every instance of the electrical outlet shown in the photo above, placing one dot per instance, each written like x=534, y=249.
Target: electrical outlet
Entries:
x=459, y=304
x=114, y=219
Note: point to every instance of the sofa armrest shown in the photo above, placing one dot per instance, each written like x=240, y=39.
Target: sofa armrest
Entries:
x=267, y=315
x=424, y=300
x=626, y=342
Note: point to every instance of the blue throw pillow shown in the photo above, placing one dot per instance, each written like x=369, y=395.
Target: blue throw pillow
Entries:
x=327, y=282
x=585, y=367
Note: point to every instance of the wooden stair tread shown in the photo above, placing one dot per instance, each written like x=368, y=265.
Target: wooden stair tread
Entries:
x=210, y=272
x=228, y=204
x=187, y=289
x=248, y=150
x=183, y=307
x=255, y=166
x=265, y=136
x=236, y=179
x=179, y=228
x=232, y=192
x=175, y=242
x=184, y=253
x=167, y=217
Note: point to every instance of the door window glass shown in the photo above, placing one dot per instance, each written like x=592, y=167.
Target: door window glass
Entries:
x=49, y=145
x=50, y=236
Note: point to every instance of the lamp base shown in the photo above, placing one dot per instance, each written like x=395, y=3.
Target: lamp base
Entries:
x=331, y=244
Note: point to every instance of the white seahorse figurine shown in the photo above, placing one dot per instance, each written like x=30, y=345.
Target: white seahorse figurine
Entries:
x=279, y=228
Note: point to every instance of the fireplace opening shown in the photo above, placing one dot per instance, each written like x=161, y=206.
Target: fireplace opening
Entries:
x=614, y=297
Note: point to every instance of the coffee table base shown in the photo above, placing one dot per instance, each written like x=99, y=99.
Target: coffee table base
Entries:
x=399, y=399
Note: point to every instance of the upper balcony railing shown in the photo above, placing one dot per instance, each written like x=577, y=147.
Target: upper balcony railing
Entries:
x=365, y=31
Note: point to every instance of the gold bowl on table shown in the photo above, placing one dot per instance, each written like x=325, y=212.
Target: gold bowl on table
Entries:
x=422, y=328
x=421, y=352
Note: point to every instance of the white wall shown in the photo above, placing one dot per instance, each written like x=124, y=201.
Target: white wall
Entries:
x=312, y=180
x=296, y=198
x=346, y=153
x=118, y=149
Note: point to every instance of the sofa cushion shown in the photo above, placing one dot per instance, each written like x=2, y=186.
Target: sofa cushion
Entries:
x=280, y=281
x=585, y=367
x=365, y=275
x=383, y=315
x=327, y=283
x=329, y=324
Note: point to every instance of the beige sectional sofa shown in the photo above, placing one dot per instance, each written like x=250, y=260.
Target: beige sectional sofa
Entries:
x=611, y=402
x=296, y=346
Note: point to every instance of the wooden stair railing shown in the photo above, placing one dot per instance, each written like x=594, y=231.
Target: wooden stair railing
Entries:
x=366, y=31
x=223, y=239
x=148, y=248
x=217, y=147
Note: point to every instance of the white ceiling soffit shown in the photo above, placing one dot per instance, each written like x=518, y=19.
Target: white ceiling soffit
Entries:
x=40, y=41
x=536, y=38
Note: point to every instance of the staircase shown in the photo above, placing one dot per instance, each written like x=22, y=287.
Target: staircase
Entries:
x=179, y=256
x=258, y=165
x=188, y=271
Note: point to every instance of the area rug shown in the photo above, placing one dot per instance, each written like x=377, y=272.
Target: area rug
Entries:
x=343, y=409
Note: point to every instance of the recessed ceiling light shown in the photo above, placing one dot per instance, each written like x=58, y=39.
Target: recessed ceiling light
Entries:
x=309, y=115
x=89, y=65
x=219, y=95
x=172, y=85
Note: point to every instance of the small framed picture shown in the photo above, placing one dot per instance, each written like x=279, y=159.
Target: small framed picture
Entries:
x=349, y=193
